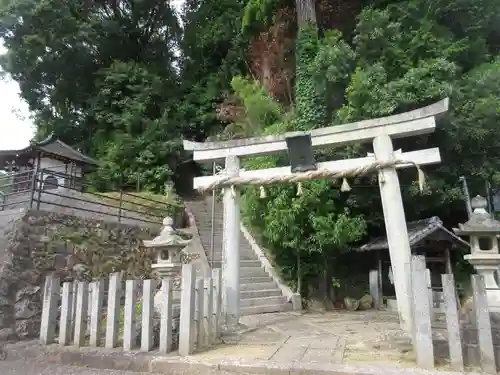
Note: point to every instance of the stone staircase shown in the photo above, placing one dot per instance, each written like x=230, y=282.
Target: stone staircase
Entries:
x=259, y=291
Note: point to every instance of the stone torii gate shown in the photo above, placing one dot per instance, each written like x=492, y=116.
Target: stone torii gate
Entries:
x=385, y=160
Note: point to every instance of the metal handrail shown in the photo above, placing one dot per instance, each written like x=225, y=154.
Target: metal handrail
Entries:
x=15, y=183
x=14, y=203
x=122, y=211
x=149, y=200
x=27, y=171
x=13, y=174
x=97, y=212
x=49, y=192
x=150, y=213
x=17, y=192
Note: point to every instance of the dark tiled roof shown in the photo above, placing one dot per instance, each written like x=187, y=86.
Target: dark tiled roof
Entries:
x=54, y=146
x=62, y=149
x=417, y=231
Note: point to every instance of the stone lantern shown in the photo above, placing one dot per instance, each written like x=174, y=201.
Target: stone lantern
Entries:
x=482, y=231
x=168, y=246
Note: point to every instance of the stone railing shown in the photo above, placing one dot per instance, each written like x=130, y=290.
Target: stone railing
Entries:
x=80, y=319
x=462, y=338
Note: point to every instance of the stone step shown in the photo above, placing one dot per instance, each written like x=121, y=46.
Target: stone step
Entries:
x=243, y=250
x=251, y=263
x=265, y=309
x=261, y=293
x=252, y=271
x=217, y=263
x=257, y=286
x=263, y=301
x=243, y=263
x=255, y=279
x=218, y=257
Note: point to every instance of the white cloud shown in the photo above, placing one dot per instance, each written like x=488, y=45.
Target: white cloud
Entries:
x=16, y=128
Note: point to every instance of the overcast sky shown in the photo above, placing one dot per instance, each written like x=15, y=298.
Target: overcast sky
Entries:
x=16, y=128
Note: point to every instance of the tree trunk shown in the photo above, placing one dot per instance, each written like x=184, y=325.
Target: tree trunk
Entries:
x=306, y=12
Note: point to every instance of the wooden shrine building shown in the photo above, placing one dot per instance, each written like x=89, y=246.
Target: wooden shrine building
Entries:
x=58, y=164
x=427, y=237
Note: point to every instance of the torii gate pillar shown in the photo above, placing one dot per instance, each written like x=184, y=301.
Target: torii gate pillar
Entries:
x=231, y=250
x=395, y=226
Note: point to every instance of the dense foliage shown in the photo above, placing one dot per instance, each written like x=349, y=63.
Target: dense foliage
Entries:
x=402, y=56
x=126, y=80
x=121, y=79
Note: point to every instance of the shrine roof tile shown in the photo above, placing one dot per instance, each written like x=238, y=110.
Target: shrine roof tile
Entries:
x=54, y=146
x=417, y=231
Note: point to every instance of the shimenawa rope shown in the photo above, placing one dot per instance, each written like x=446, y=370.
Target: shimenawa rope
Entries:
x=319, y=174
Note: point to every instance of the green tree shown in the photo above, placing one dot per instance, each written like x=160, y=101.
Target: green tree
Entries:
x=213, y=52
x=124, y=82
x=403, y=55
x=132, y=115
x=424, y=60
x=300, y=231
x=71, y=57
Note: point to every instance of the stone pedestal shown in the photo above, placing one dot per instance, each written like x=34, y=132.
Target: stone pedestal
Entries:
x=487, y=265
x=483, y=230
x=164, y=272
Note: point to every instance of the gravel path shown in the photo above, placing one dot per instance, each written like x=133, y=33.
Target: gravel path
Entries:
x=37, y=368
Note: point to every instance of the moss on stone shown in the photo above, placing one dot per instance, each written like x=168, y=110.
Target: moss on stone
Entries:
x=72, y=248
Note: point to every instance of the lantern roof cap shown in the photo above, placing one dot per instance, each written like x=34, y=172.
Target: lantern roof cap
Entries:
x=480, y=221
x=168, y=237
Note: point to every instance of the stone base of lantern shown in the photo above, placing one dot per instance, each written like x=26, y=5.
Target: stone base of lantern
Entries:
x=487, y=265
x=493, y=300
x=164, y=270
x=168, y=271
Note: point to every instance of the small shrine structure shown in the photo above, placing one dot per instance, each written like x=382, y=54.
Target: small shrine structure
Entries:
x=427, y=237
x=62, y=165
x=483, y=231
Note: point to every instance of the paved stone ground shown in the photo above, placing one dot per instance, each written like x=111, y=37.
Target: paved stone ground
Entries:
x=332, y=337
x=38, y=368
x=334, y=343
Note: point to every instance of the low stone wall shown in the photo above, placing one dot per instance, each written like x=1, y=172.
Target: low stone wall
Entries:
x=41, y=243
x=470, y=346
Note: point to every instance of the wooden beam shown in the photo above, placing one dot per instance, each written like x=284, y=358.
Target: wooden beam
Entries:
x=449, y=268
x=379, y=274
x=421, y=157
x=420, y=121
